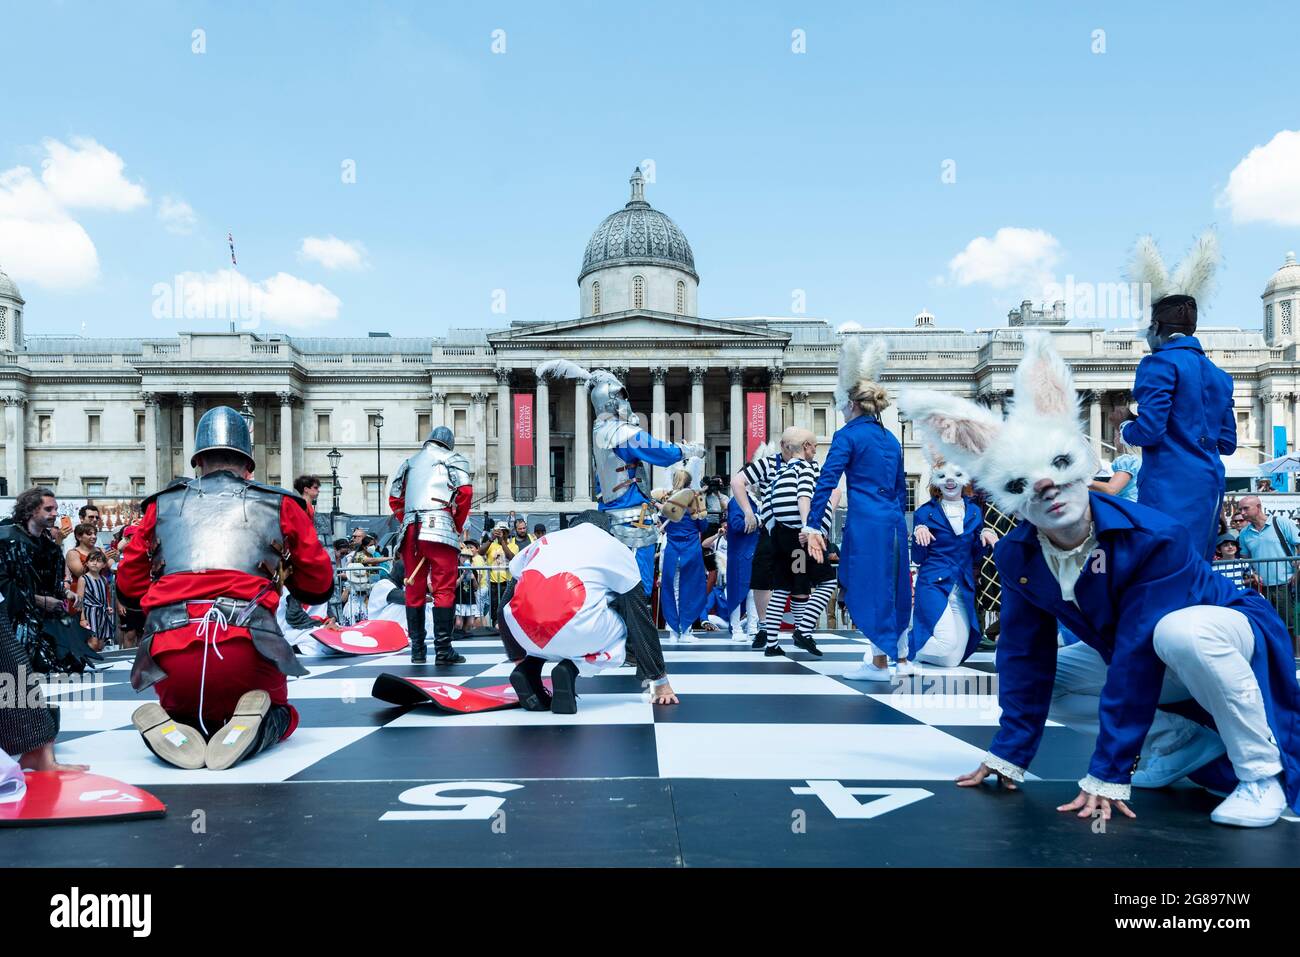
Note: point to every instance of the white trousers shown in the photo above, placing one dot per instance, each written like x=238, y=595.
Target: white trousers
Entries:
x=1206, y=650
x=750, y=609
x=947, y=645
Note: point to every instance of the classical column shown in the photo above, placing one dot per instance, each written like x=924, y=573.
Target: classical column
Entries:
x=774, y=425
x=505, y=460
x=1094, y=420
x=287, y=474
x=542, y=431
x=659, y=421
x=736, y=376
x=151, y=442
x=246, y=401
x=581, y=443
x=187, y=430
x=1273, y=417
x=480, y=400
x=697, y=403
x=802, y=414
x=437, y=410
x=15, y=442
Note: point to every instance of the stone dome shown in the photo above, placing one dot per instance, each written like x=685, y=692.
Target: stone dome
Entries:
x=1288, y=277
x=638, y=234
x=8, y=287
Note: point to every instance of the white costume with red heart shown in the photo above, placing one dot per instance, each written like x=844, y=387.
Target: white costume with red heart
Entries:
x=560, y=607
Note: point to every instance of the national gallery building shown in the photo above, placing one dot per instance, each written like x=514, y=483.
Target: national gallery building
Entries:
x=115, y=417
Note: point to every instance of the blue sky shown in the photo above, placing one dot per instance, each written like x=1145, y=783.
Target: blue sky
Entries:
x=478, y=171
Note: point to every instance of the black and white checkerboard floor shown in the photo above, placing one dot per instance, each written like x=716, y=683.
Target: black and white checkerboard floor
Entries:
x=766, y=761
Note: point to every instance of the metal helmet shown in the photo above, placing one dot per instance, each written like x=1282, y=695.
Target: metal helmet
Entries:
x=444, y=437
x=222, y=428
x=608, y=395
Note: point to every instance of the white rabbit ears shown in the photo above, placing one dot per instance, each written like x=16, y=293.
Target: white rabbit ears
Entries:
x=859, y=364
x=962, y=431
x=1191, y=277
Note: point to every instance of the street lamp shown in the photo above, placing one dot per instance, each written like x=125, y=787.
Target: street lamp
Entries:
x=379, y=468
x=335, y=456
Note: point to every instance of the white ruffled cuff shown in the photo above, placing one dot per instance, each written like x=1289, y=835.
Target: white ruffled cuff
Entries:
x=1003, y=767
x=1115, y=792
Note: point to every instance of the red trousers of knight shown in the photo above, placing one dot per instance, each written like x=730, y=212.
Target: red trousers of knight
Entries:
x=431, y=567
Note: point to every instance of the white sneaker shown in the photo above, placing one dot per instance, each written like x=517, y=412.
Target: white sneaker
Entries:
x=672, y=637
x=688, y=638
x=1252, y=804
x=909, y=667
x=868, y=672
x=741, y=636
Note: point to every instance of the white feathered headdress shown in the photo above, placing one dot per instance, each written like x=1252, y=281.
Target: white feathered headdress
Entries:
x=1192, y=277
x=1041, y=437
x=563, y=369
x=859, y=367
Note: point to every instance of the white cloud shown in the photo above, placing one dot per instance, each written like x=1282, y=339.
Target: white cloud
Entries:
x=281, y=300
x=1265, y=186
x=1014, y=257
x=89, y=176
x=333, y=253
x=39, y=241
x=176, y=215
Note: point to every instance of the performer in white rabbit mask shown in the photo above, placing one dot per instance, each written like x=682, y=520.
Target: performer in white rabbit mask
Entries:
x=948, y=538
x=1157, y=626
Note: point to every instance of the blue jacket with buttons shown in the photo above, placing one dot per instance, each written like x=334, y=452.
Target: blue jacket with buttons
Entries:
x=1185, y=422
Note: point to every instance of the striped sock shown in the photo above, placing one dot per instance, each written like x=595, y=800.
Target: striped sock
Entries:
x=811, y=612
x=775, y=614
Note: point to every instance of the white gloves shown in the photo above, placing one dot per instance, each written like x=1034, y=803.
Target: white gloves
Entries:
x=691, y=450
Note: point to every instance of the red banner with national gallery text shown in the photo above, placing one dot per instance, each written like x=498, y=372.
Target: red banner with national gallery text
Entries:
x=523, y=428
x=755, y=422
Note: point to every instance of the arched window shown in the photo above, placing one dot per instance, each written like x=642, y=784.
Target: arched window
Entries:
x=595, y=298
x=638, y=292
x=681, y=298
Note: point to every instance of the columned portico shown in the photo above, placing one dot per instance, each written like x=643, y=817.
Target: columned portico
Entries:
x=775, y=426
x=151, y=442
x=437, y=410
x=542, y=430
x=287, y=473
x=187, y=430
x=581, y=443
x=15, y=442
x=480, y=401
x=736, y=378
x=658, y=419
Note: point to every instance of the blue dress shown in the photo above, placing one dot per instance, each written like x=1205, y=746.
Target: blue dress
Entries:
x=1147, y=570
x=1185, y=422
x=683, y=558
x=873, y=569
x=946, y=563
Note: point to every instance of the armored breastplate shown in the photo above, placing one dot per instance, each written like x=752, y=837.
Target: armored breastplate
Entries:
x=433, y=476
x=218, y=522
x=614, y=474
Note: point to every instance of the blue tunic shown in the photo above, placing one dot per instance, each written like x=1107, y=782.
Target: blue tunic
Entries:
x=946, y=563
x=1144, y=569
x=873, y=554
x=1185, y=422
x=644, y=447
x=683, y=557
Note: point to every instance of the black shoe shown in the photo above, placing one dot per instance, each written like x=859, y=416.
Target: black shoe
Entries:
x=415, y=631
x=773, y=651
x=564, y=697
x=807, y=644
x=531, y=696
x=443, y=621
x=760, y=639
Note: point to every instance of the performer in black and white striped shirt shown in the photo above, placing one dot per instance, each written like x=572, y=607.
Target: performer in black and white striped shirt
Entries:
x=795, y=573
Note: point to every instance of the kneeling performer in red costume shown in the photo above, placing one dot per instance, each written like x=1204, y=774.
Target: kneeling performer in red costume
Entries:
x=206, y=566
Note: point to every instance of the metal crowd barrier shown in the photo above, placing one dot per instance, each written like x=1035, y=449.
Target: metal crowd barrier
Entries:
x=1275, y=579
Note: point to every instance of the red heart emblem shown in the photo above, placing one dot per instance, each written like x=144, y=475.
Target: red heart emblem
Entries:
x=542, y=605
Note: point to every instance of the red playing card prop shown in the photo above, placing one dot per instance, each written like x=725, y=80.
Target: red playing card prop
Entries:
x=543, y=605
x=447, y=697
x=72, y=797
x=373, y=637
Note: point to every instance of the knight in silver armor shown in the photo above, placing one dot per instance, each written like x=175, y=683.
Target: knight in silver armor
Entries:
x=207, y=566
x=430, y=494
x=619, y=446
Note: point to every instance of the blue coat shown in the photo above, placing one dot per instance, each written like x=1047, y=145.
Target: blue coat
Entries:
x=683, y=556
x=1185, y=422
x=944, y=564
x=740, y=557
x=874, y=570
x=1144, y=569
